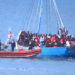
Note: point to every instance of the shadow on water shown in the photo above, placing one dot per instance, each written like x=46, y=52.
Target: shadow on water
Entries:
x=46, y=58
x=54, y=58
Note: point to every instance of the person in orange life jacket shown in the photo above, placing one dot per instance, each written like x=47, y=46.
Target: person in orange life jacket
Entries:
x=47, y=41
x=55, y=42
x=53, y=38
x=37, y=37
x=62, y=42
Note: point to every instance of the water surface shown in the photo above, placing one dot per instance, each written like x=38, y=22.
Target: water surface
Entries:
x=42, y=65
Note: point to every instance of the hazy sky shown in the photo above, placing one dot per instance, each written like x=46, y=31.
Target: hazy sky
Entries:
x=24, y=14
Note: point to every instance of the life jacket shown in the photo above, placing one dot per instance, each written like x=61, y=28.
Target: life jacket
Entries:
x=55, y=40
x=61, y=40
x=48, y=39
x=37, y=37
x=44, y=37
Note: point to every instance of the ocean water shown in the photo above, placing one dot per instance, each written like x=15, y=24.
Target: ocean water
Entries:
x=39, y=65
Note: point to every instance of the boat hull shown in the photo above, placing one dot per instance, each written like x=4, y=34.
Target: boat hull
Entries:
x=71, y=51
x=26, y=53
x=54, y=51
x=57, y=51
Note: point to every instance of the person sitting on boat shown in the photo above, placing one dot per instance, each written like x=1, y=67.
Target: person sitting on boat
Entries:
x=13, y=45
x=26, y=42
x=30, y=36
x=37, y=37
x=22, y=37
x=48, y=40
x=61, y=42
x=56, y=43
x=32, y=43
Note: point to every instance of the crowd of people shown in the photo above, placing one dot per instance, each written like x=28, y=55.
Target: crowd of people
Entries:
x=31, y=40
x=48, y=40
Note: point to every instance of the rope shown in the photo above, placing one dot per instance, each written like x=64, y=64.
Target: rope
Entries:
x=58, y=14
x=40, y=13
x=48, y=5
x=28, y=23
x=25, y=25
x=46, y=16
x=36, y=18
x=50, y=13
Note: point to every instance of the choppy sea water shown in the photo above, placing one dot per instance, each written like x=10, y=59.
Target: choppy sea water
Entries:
x=41, y=65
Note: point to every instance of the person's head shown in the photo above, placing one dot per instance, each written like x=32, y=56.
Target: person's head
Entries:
x=13, y=41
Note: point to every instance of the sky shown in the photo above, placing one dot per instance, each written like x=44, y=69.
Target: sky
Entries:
x=24, y=15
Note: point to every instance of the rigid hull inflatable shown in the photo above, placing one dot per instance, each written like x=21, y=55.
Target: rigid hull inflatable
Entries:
x=24, y=53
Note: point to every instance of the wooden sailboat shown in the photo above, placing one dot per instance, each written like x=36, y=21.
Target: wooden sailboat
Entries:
x=51, y=50
x=57, y=50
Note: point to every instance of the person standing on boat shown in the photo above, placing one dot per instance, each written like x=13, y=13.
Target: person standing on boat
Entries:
x=12, y=45
x=60, y=32
x=10, y=35
x=41, y=40
x=0, y=45
x=68, y=44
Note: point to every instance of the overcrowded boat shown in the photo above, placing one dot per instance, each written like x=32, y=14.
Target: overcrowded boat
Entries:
x=51, y=44
x=30, y=44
